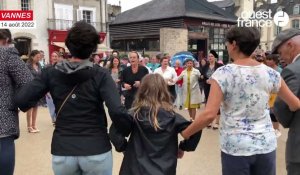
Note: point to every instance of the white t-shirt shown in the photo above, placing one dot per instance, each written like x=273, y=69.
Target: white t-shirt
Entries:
x=169, y=74
x=246, y=127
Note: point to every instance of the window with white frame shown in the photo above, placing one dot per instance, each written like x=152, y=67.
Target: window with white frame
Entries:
x=25, y=4
x=63, y=16
x=87, y=16
x=296, y=10
x=295, y=24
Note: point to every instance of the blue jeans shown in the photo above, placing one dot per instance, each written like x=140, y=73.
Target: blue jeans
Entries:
x=51, y=107
x=7, y=155
x=260, y=164
x=100, y=164
x=179, y=100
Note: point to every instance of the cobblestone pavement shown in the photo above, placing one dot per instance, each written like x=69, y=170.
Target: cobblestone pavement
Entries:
x=33, y=151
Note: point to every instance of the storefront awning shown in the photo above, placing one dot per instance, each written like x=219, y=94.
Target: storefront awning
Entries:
x=101, y=47
x=62, y=45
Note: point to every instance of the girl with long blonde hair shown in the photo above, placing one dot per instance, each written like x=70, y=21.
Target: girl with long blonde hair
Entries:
x=153, y=145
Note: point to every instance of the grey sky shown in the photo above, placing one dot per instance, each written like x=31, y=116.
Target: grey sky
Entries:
x=129, y=4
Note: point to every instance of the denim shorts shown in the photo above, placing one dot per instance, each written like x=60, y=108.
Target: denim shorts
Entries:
x=100, y=164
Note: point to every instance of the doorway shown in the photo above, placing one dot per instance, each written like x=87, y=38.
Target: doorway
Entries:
x=23, y=45
x=197, y=45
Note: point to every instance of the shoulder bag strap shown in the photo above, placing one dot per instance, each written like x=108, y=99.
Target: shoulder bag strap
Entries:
x=68, y=96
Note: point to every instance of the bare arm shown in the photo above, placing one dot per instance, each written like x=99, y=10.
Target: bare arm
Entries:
x=210, y=112
x=180, y=77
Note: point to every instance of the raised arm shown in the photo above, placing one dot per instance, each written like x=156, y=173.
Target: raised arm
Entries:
x=180, y=77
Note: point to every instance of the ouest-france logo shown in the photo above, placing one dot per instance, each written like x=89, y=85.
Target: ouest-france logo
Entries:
x=262, y=19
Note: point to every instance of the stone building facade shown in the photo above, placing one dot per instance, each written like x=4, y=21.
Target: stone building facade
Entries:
x=173, y=40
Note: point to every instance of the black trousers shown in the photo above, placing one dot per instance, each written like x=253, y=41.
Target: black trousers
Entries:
x=259, y=164
x=172, y=91
x=128, y=102
x=293, y=168
x=206, y=91
x=7, y=155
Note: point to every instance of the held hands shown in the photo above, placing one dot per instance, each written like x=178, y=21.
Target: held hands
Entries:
x=127, y=86
x=208, y=81
x=137, y=84
x=180, y=154
x=296, y=108
x=183, y=134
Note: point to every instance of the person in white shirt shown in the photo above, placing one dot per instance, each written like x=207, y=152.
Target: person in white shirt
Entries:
x=169, y=74
x=143, y=63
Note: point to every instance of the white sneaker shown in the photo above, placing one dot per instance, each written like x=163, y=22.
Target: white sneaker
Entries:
x=277, y=133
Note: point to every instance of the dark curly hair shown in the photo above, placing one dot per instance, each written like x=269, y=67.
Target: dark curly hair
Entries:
x=31, y=55
x=82, y=40
x=5, y=34
x=246, y=38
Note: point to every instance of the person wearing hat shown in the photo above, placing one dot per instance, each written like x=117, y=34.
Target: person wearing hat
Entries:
x=287, y=45
x=208, y=70
x=190, y=88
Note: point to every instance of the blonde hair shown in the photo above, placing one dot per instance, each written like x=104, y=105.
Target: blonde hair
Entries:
x=153, y=94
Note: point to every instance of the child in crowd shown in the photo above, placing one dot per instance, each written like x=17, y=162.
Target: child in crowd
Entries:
x=153, y=144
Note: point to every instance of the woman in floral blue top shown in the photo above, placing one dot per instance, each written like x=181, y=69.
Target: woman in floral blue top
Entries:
x=242, y=89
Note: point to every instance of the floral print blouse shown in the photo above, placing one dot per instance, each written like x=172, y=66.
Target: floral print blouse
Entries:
x=246, y=127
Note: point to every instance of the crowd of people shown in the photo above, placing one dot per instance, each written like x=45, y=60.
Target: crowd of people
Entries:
x=247, y=98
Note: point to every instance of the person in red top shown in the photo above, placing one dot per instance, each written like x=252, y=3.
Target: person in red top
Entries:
x=178, y=85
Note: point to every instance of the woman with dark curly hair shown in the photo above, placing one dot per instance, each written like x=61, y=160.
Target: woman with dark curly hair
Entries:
x=13, y=75
x=80, y=143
